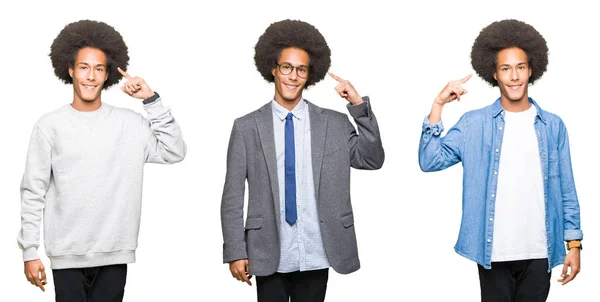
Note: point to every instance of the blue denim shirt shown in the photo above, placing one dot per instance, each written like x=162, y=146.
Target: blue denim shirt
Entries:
x=476, y=141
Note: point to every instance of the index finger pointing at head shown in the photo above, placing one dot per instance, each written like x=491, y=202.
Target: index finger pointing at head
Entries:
x=126, y=75
x=465, y=79
x=335, y=77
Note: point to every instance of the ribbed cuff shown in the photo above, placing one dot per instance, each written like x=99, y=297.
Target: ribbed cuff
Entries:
x=30, y=254
x=151, y=99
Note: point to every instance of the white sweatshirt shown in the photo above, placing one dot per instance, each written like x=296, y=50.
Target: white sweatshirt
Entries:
x=84, y=176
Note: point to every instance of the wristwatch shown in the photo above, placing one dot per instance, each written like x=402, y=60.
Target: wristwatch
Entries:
x=574, y=244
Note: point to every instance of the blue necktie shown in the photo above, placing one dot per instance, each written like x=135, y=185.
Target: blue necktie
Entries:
x=290, y=171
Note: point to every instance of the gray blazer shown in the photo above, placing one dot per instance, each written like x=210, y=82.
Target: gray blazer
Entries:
x=336, y=146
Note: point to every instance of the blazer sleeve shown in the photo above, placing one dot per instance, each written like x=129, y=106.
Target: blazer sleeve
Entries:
x=366, y=150
x=232, y=202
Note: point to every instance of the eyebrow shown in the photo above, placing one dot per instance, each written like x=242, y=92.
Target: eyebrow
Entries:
x=87, y=64
x=525, y=63
x=293, y=65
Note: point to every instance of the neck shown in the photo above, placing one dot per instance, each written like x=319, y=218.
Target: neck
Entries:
x=287, y=104
x=81, y=105
x=515, y=106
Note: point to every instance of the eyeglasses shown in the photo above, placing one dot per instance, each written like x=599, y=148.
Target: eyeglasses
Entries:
x=285, y=69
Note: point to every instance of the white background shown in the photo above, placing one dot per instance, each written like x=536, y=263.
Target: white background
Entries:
x=200, y=59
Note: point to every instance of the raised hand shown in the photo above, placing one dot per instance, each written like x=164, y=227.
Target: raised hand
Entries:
x=452, y=91
x=135, y=86
x=346, y=90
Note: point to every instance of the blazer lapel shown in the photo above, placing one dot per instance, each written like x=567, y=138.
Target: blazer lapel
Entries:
x=264, y=124
x=318, y=132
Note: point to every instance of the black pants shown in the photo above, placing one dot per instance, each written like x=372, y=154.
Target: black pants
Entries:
x=93, y=284
x=308, y=286
x=515, y=281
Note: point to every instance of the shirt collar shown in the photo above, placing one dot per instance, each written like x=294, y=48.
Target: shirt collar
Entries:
x=497, y=109
x=299, y=111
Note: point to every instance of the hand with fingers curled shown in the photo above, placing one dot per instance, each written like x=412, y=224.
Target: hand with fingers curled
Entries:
x=571, y=266
x=36, y=273
x=135, y=86
x=239, y=270
x=346, y=90
x=452, y=91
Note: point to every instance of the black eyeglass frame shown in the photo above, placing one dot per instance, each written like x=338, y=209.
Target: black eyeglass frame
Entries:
x=292, y=70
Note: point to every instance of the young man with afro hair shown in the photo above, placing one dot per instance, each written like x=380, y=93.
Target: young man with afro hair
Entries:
x=296, y=158
x=519, y=199
x=84, y=169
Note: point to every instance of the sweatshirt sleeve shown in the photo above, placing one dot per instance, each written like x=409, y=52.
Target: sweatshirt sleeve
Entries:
x=34, y=186
x=165, y=142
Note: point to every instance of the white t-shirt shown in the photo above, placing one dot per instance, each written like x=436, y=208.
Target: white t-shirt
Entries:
x=520, y=216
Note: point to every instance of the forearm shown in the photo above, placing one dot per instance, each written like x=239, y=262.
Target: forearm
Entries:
x=166, y=144
x=34, y=186
x=570, y=202
x=437, y=152
x=365, y=146
x=232, y=222
x=435, y=116
x=232, y=202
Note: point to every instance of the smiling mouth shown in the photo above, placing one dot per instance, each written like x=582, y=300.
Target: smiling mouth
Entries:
x=89, y=87
x=291, y=87
x=514, y=87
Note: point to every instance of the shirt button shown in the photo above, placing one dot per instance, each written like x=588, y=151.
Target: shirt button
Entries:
x=495, y=172
x=493, y=195
x=435, y=133
x=500, y=128
x=489, y=240
x=491, y=219
x=497, y=150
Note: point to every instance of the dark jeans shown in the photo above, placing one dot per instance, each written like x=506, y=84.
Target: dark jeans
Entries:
x=308, y=286
x=92, y=284
x=515, y=281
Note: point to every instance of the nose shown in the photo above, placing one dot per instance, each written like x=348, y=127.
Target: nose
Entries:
x=91, y=74
x=293, y=74
x=514, y=75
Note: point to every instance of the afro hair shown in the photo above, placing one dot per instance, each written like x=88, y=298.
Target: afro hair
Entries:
x=292, y=33
x=507, y=34
x=94, y=34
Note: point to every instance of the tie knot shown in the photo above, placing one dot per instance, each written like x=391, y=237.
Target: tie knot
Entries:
x=289, y=116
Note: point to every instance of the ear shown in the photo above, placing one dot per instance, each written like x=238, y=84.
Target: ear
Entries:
x=273, y=71
x=71, y=71
x=495, y=78
x=530, y=71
